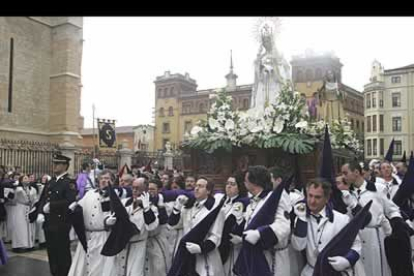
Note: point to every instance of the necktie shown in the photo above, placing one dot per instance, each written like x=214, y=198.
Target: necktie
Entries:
x=359, y=191
x=317, y=217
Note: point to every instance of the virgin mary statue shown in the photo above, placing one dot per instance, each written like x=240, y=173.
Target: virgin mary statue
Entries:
x=272, y=71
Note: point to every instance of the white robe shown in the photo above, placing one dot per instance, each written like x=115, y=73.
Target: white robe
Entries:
x=297, y=262
x=23, y=233
x=157, y=261
x=314, y=242
x=372, y=236
x=92, y=263
x=10, y=207
x=40, y=233
x=171, y=235
x=131, y=260
x=234, y=248
x=209, y=264
x=278, y=258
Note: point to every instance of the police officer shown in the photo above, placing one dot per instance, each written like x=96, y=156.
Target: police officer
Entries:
x=59, y=195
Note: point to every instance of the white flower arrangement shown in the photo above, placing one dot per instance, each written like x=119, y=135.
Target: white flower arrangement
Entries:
x=283, y=124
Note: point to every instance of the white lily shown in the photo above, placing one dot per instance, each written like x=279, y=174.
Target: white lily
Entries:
x=213, y=123
x=302, y=124
x=278, y=126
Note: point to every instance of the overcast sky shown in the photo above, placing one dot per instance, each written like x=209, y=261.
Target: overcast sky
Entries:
x=122, y=56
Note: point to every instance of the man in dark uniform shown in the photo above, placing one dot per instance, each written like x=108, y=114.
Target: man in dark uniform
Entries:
x=59, y=195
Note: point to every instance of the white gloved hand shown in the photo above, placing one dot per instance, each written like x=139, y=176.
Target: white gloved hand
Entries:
x=339, y=263
x=145, y=198
x=349, y=199
x=40, y=219
x=300, y=211
x=46, y=208
x=237, y=211
x=160, y=202
x=235, y=239
x=16, y=183
x=73, y=205
x=386, y=226
x=180, y=201
x=110, y=220
x=252, y=236
x=193, y=248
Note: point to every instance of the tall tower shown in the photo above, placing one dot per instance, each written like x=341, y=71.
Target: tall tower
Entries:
x=231, y=77
x=169, y=88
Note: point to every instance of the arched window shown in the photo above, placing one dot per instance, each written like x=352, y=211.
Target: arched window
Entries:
x=318, y=74
x=201, y=107
x=160, y=93
x=309, y=75
x=165, y=92
x=172, y=91
x=245, y=103
x=299, y=76
x=170, y=111
x=161, y=112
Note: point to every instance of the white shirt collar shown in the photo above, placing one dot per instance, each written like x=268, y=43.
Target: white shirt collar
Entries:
x=199, y=204
x=60, y=176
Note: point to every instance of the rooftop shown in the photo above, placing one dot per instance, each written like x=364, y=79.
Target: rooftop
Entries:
x=411, y=66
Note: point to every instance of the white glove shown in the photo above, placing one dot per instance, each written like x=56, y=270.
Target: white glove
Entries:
x=300, y=211
x=16, y=183
x=40, y=219
x=160, y=202
x=46, y=208
x=237, y=211
x=235, y=239
x=349, y=199
x=73, y=205
x=2, y=200
x=386, y=226
x=180, y=201
x=193, y=248
x=252, y=236
x=339, y=263
x=145, y=198
x=110, y=220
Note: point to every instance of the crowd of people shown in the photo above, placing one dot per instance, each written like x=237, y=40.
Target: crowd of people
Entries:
x=141, y=222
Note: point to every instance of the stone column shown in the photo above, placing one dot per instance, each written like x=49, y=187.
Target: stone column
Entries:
x=68, y=150
x=126, y=157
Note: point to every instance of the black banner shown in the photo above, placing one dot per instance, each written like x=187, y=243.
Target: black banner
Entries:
x=107, y=134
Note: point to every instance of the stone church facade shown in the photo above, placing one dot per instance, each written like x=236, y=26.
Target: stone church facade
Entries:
x=40, y=79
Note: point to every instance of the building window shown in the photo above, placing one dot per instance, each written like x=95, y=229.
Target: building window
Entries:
x=396, y=124
x=165, y=92
x=166, y=128
x=381, y=122
x=396, y=99
x=382, y=146
x=170, y=111
x=369, y=124
x=374, y=123
x=245, y=103
x=309, y=75
x=172, y=91
x=381, y=99
x=374, y=99
x=352, y=124
x=396, y=79
x=201, y=107
x=374, y=147
x=299, y=76
x=161, y=112
x=10, y=91
x=160, y=93
x=357, y=124
x=369, y=147
x=318, y=74
x=186, y=108
x=398, y=147
x=368, y=100
x=187, y=126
